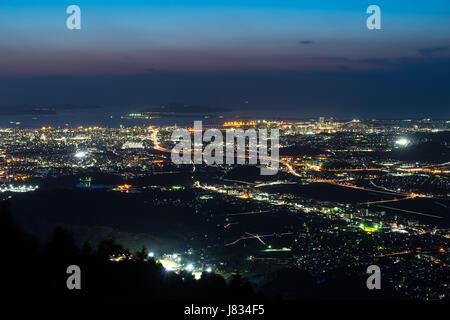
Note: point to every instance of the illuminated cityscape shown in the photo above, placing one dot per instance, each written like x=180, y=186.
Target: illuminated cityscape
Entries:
x=348, y=194
x=225, y=158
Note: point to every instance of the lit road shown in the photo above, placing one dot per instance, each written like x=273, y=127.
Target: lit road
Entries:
x=292, y=171
x=273, y=184
x=387, y=201
x=393, y=254
x=360, y=188
x=248, y=213
x=259, y=236
x=238, y=181
x=156, y=144
x=413, y=212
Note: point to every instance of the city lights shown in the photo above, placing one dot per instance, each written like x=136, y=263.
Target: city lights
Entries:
x=169, y=265
x=80, y=155
x=18, y=189
x=190, y=267
x=348, y=192
x=402, y=142
x=225, y=159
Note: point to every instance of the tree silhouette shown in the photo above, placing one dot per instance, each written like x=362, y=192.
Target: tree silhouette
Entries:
x=34, y=272
x=141, y=255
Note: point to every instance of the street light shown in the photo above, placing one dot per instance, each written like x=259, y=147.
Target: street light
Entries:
x=190, y=267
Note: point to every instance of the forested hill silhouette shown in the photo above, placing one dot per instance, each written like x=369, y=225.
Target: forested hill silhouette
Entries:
x=32, y=271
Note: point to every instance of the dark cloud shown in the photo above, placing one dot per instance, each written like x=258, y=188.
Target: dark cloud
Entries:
x=430, y=52
x=306, y=42
x=334, y=59
x=401, y=87
x=386, y=63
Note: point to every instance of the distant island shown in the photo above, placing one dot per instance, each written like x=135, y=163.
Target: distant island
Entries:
x=42, y=110
x=177, y=107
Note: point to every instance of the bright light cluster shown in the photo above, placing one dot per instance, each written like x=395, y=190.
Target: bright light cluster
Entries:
x=402, y=142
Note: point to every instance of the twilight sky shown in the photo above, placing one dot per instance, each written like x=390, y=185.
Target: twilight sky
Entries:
x=305, y=57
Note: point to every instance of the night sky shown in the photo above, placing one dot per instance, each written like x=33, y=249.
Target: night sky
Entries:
x=307, y=58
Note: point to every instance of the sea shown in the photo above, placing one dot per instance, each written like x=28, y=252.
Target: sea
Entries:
x=113, y=118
